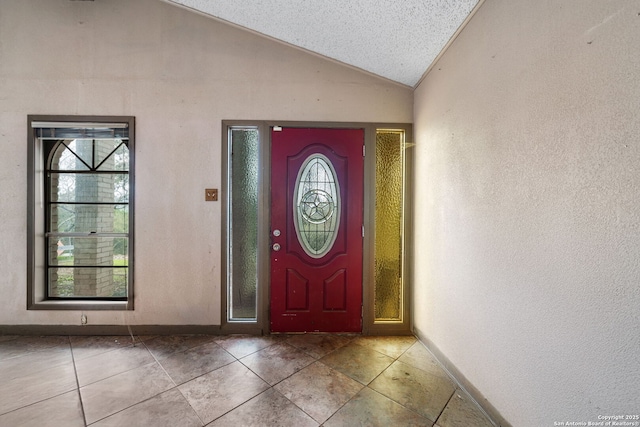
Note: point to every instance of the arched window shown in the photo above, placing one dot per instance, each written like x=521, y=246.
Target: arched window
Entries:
x=87, y=211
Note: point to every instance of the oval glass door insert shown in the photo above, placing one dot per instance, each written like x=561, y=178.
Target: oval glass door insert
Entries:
x=316, y=205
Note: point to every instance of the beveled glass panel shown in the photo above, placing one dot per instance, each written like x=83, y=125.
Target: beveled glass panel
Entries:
x=82, y=282
x=243, y=224
x=388, y=288
x=316, y=206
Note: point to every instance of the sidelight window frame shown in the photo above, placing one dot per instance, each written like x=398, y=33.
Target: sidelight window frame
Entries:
x=392, y=211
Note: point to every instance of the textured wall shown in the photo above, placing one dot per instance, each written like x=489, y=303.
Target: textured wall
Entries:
x=180, y=74
x=528, y=222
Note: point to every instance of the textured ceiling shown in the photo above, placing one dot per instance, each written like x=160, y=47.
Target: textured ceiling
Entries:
x=396, y=39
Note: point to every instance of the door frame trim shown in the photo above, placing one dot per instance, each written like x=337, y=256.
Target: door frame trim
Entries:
x=369, y=326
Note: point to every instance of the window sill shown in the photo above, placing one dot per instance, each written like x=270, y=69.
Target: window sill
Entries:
x=80, y=305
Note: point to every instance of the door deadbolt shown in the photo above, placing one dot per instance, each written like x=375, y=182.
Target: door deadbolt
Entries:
x=276, y=232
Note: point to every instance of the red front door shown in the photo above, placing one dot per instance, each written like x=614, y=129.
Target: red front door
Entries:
x=316, y=230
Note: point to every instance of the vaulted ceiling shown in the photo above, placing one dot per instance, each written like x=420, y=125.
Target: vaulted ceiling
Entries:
x=395, y=39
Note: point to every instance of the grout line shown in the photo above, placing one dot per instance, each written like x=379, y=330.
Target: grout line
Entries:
x=160, y=364
x=129, y=370
x=192, y=408
x=177, y=386
x=458, y=384
x=118, y=373
x=49, y=397
x=236, y=407
x=101, y=352
x=75, y=372
x=269, y=386
x=445, y=406
x=294, y=404
x=131, y=406
x=397, y=359
x=348, y=401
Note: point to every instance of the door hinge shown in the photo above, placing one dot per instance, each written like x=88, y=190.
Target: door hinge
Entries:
x=364, y=150
x=362, y=230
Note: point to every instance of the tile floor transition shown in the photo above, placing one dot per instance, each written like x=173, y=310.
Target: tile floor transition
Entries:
x=198, y=380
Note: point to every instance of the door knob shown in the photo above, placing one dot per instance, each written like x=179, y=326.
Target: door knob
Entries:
x=276, y=232
x=276, y=247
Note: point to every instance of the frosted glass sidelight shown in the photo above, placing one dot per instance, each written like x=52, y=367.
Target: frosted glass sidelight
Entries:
x=243, y=224
x=316, y=206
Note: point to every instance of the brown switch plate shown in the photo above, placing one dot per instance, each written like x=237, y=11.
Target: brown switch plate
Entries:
x=211, y=195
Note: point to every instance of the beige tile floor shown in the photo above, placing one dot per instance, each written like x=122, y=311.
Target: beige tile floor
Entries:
x=284, y=380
